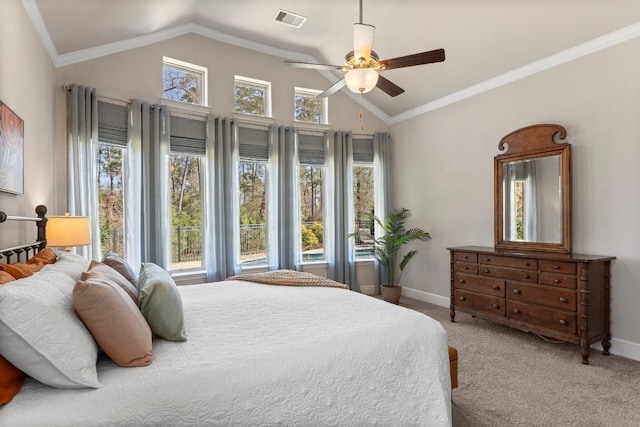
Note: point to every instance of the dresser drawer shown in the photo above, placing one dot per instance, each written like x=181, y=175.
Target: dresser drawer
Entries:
x=509, y=273
x=558, y=267
x=485, y=285
x=466, y=267
x=465, y=256
x=557, y=320
x=527, y=263
x=557, y=298
x=479, y=302
x=559, y=280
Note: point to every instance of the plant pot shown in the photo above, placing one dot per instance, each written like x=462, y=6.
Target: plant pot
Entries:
x=391, y=293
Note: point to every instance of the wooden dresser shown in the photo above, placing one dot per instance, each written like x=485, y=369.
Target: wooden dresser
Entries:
x=562, y=296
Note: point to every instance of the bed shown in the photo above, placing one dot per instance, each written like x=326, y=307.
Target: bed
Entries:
x=260, y=354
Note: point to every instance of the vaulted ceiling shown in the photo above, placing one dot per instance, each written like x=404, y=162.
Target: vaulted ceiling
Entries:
x=487, y=42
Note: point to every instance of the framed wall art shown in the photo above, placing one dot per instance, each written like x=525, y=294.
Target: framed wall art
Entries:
x=11, y=151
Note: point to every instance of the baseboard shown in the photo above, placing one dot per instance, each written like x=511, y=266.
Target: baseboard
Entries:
x=425, y=296
x=619, y=347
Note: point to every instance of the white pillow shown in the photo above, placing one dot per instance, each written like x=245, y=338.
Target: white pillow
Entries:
x=41, y=334
x=73, y=265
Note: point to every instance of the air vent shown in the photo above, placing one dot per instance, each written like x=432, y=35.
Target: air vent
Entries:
x=290, y=18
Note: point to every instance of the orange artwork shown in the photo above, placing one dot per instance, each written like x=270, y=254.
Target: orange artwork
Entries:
x=11, y=151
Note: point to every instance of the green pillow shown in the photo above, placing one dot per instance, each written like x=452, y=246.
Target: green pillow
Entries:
x=160, y=302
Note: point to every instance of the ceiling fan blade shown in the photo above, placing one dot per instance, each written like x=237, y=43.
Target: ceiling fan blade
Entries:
x=313, y=66
x=363, y=41
x=333, y=89
x=415, y=59
x=388, y=87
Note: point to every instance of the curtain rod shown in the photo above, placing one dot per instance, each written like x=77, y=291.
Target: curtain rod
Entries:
x=103, y=97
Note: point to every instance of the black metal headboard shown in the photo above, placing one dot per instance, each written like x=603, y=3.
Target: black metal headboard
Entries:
x=25, y=251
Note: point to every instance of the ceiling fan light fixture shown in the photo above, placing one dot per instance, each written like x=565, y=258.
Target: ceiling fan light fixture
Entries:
x=361, y=80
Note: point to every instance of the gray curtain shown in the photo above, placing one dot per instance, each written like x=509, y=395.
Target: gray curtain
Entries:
x=340, y=248
x=156, y=227
x=284, y=211
x=381, y=176
x=82, y=143
x=221, y=251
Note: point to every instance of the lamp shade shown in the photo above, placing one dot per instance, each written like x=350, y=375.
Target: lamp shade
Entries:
x=361, y=80
x=66, y=231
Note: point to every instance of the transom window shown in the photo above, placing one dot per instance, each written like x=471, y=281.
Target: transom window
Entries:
x=307, y=107
x=184, y=82
x=252, y=96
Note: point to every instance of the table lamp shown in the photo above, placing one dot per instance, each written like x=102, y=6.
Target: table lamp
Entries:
x=66, y=231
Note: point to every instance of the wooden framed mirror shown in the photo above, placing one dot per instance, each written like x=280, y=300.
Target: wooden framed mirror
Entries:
x=533, y=190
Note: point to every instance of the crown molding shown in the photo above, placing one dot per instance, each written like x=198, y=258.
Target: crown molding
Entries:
x=32, y=10
x=59, y=60
x=608, y=40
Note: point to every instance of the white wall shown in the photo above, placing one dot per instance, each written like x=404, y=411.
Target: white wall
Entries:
x=26, y=86
x=442, y=165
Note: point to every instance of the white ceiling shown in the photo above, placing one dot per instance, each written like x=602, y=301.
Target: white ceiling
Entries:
x=487, y=42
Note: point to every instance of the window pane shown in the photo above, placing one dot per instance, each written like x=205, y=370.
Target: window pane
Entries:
x=111, y=198
x=312, y=212
x=249, y=99
x=363, y=196
x=252, y=177
x=308, y=108
x=186, y=212
x=182, y=84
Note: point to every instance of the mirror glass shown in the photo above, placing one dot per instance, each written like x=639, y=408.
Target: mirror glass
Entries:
x=532, y=185
x=532, y=200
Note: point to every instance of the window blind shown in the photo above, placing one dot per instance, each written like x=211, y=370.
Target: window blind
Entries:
x=362, y=150
x=253, y=144
x=311, y=149
x=188, y=136
x=112, y=124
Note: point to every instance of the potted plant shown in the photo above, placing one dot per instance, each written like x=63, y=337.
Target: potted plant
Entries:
x=387, y=246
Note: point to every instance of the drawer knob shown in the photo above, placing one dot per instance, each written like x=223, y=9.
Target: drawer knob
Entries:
x=562, y=299
x=466, y=268
x=487, y=259
x=556, y=281
x=563, y=322
x=466, y=257
x=496, y=306
x=516, y=311
x=556, y=267
x=462, y=298
x=526, y=276
x=496, y=287
x=461, y=280
x=526, y=264
x=486, y=271
x=517, y=291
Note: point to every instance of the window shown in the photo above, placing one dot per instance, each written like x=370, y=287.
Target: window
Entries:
x=363, y=196
x=252, y=96
x=110, y=158
x=184, y=82
x=308, y=107
x=253, y=194
x=111, y=197
x=186, y=172
x=311, y=175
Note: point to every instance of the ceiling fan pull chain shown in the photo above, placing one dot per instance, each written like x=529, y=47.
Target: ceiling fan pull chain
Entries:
x=361, y=114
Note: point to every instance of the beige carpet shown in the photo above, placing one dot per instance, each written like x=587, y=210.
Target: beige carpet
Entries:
x=512, y=378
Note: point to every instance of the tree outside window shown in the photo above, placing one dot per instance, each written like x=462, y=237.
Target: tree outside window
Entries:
x=252, y=179
x=308, y=107
x=184, y=82
x=312, y=212
x=111, y=198
x=252, y=96
x=186, y=211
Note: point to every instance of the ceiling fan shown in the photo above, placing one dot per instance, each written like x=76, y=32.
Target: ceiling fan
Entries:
x=363, y=66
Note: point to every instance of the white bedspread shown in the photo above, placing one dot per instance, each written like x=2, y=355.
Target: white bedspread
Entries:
x=267, y=355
